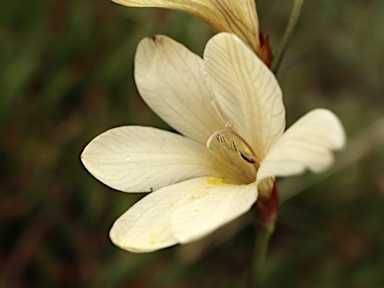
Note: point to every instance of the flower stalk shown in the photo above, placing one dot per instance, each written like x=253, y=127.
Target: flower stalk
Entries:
x=293, y=18
x=264, y=226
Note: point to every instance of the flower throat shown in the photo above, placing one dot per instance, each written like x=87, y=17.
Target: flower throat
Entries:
x=231, y=145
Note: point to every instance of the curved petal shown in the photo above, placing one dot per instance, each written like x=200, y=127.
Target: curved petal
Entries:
x=246, y=91
x=217, y=204
x=238, y=17
x=146, y=226
x=306, y=144
x=143, y=159
x=170, y=79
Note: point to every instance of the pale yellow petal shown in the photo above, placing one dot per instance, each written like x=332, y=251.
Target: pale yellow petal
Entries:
x=309, y=143
x=215, y=204
x=246, y=91
x=170, y=79
x=143, y=159
x=235, y=16
x=146, y=226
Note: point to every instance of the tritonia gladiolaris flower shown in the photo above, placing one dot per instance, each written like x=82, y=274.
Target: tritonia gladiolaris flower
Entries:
x=228, y=110
x=236, y=16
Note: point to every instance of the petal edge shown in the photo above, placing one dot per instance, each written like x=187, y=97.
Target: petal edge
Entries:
x=308, y=143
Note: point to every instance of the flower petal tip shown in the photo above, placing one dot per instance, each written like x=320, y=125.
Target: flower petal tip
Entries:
x=130, y=243
x=335, y=128
x=117, y=241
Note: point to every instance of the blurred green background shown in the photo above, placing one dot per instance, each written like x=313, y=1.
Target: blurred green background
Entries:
x=66, y=76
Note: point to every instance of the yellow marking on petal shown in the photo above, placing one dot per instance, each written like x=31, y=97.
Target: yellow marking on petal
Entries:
x=163, y=240
x=153, y=236
x=215, y=182
x=118, y=239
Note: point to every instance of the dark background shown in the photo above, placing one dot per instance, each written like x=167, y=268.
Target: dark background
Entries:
x=66, y=76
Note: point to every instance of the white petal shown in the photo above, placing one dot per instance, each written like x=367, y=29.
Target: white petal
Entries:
x=170, y=79
x=238, y=17
x=215, y=205
x=146, y=226
x=143, y=159
x=307, y=144
x=246, y=91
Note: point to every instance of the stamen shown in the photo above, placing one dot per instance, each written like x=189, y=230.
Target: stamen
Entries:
x=248, y=158
x=214, y=135
x=231, y=146
x=242, y=140
x=213, y=103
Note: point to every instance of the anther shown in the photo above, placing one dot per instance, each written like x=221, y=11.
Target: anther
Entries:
x=248, y=158
x=231, y=146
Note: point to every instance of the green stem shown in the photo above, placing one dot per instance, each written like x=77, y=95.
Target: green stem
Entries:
x=260, y=248
x=295, y=13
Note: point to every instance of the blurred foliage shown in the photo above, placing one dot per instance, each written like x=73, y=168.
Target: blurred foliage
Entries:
x=66, y=76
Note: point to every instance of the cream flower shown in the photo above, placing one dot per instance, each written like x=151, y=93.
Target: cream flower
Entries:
x=236, y=16
x=228, y=101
